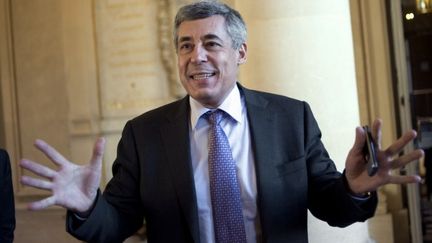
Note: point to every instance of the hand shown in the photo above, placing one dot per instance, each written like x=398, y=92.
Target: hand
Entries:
x=73, y=186
x=356, y=170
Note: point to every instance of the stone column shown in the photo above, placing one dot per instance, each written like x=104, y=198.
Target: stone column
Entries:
x=303, y=49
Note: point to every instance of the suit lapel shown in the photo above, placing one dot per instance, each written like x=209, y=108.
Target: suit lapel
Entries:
x=175, y=134
x=262, y=122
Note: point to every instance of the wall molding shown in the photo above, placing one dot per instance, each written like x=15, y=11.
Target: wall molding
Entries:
x=9, y=109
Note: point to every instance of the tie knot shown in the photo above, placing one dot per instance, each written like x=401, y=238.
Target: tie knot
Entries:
x=215, y=117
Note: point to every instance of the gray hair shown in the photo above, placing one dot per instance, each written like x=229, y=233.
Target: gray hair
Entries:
x=234, y=23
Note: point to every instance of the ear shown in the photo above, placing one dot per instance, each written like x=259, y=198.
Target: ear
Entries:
x=242, y=54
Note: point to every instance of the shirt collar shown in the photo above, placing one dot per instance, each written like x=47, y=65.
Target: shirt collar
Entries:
x=231, y=105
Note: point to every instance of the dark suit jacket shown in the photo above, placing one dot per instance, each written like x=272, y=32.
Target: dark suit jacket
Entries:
x=7, y=206
x=153, y=177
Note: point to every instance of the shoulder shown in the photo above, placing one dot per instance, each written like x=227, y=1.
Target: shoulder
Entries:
x=274, y=101
x=162, y=114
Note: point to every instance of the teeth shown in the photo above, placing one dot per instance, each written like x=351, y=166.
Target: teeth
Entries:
x=202, y=76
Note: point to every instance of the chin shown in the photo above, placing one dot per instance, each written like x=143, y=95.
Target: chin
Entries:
x=202, y=96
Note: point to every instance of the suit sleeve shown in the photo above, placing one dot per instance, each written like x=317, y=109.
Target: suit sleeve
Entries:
x=7, y=206
x=117, y=213
x=329, y=198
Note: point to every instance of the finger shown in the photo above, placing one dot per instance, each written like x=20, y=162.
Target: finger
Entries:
x=38, y=183
x=399, y=144
x=37, y=168
x=98, y=150
x=404, y=179
x=359, y=142
x=50, y=152
x=407, y=158
x=376, y=132
x=44, y=203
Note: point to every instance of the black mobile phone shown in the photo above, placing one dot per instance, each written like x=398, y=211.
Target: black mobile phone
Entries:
x=370, y=153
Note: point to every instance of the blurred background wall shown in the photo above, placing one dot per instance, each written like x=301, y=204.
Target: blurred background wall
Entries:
x=74, y=70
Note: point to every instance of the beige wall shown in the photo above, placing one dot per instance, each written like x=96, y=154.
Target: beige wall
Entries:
x=305, y=51
x=36, y=80
x=63, y=83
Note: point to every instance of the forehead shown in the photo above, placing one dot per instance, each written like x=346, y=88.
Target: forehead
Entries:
x=199, y=28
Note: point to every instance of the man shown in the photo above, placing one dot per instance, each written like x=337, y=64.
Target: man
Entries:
x=165, y=173
x=7, y=206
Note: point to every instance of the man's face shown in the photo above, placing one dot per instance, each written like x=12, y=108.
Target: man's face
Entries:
x=207, y=62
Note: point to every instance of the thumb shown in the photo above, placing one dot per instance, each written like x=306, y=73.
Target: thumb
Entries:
x=98, y=150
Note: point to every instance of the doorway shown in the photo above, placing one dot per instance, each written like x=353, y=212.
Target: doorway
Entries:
x=411, y=40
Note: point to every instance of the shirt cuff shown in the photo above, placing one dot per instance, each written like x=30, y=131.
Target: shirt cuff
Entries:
x=364, y=197
x=79, y=218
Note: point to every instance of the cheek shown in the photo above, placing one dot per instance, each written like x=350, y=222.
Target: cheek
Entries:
x=181, y=63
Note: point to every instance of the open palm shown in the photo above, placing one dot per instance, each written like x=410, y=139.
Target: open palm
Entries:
x=73, y=186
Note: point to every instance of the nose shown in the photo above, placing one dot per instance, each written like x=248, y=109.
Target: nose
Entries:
x=199, y=54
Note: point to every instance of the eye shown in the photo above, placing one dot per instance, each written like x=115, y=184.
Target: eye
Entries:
x=212, y=44
x=185, y=47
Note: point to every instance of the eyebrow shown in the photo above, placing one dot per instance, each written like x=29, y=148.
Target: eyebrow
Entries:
x=212, y=37
x=206, y=37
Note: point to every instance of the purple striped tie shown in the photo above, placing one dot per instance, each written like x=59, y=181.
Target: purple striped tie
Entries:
x=224, y=188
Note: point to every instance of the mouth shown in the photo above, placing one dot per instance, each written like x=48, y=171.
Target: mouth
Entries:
x=201, y=76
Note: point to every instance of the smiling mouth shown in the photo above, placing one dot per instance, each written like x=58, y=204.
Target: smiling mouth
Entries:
x=201, y=76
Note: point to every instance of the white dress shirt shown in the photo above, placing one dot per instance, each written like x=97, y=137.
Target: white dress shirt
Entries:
x=237, y=131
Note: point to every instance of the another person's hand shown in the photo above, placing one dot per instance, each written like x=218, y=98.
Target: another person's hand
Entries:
x=73, y=186
x=356, y=170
